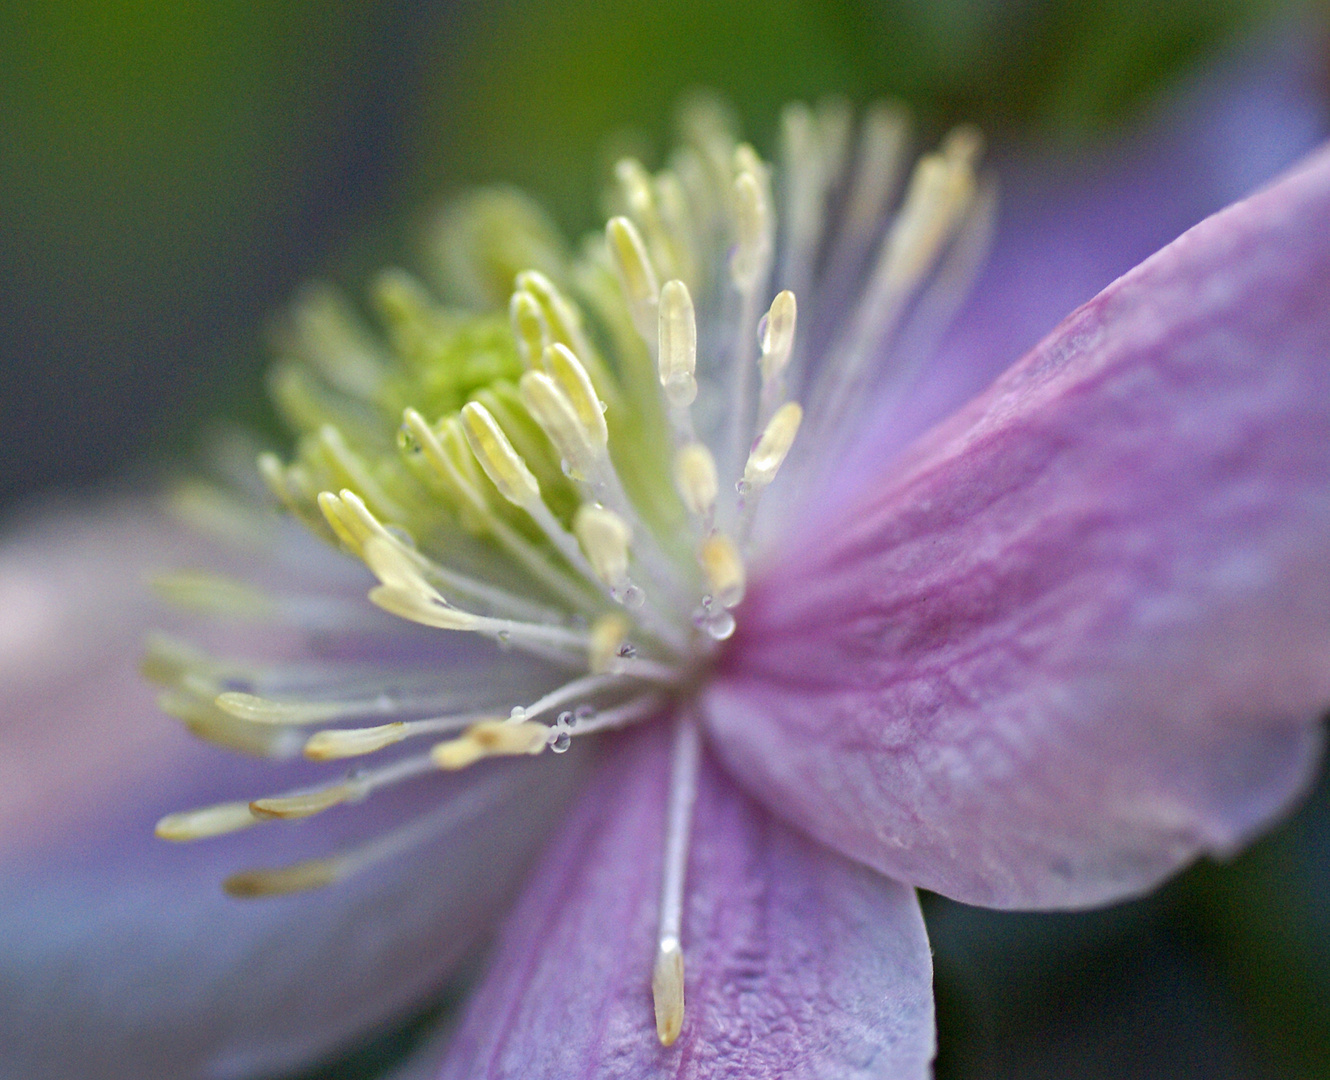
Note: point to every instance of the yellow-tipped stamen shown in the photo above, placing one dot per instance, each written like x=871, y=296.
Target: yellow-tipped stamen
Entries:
x=695, y=480
x=667, y=975
x=677, y=346
x=572, y=378
x=530, y=329
x=502, y=464
x=207, y=822
x=609, y=634
x=333, y=744
x=304, y=804
x=215, y=595
x=284, y=880
x=724, y=568
x=636, y=274
x=604, y=538
x=772, y=446
x=490, y=738
x=777, y=345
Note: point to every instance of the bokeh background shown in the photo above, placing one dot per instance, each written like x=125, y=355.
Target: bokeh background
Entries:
x=170, y=172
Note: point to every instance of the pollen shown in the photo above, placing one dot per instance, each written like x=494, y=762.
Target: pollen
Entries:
x=580, y=457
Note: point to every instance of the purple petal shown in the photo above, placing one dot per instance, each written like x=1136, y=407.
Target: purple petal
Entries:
x=120, y=954
x=797, y=962
x=1082, y=633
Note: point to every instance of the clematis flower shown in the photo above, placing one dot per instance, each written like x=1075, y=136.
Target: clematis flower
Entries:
x=1070, y=639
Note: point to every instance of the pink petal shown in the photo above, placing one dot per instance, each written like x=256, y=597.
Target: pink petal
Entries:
x=1082, y=633
x=797, y=962
x=120, y=954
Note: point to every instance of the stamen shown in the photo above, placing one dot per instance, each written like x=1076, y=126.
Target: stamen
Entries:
x=284, y=880
x=637, y=277
x=304, y=804
x=677, y=354
x=609, y=634
x=334, y=744
x=317, y=873
x=490, y=738
x=695, y=479
x=724, y=568
x=775, y=442
x=667, y=974
x=530, y=330
x=502, y=464
x=776, y=331
x=207, y=822
x=604, y=538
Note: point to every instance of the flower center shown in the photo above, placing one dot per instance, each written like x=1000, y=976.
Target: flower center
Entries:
x=585, y=482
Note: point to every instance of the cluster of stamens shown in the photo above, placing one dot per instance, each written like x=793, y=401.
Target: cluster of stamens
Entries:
x=582, y=480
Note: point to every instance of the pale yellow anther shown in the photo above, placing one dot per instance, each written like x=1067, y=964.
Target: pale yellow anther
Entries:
x=667, y=990
x=502, y=464
x=752, y=220
x=279, y=881
x=677, y=355
x=261, y=710
x=205, y=822
x=490, y=738
x=213, y=594
x=273, y=473
x=306, y=804
x=343, y=524
x=778, y=335
x=353, y=742
x=530, y=329
x=637, y=277
x=572, y=378
x=963, y=145
x=432, y=611
x=604, y=537
x=695, y=478
x=635, y=186
x=551, y=409
x=941, y=187
x=561, y=315
x=772, y=446
x=392, y=565
x=609, y=634
x=724, y=568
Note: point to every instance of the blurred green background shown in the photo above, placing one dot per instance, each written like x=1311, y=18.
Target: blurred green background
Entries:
x=169, y=172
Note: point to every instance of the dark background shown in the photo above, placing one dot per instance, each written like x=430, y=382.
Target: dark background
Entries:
x=170, y=173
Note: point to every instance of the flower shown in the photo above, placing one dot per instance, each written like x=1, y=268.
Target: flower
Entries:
x=1037, y=555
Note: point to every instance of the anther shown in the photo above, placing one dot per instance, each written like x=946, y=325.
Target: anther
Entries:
x=490, y=738
x=724, y=568
x=530, y=329
x=636, y=274
x=609, y=634
x=752, y=212
x=604, y=538
x=304, y=804
x=215, y=595
x=778, y=335
x=550, y=408
x=572, y=378
x=772, y=446
x=338, y=743
x=667, y=990
x=677, y=356
x=502, y=464
x=209, y=821
x=279, y=881
x=695, y=479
